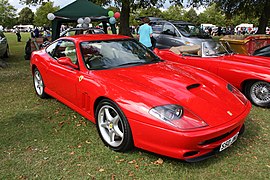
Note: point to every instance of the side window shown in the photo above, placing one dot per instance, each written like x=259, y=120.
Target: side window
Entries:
x=168, y=29
x=66, y=49
x=50, y=49
x=157, y=27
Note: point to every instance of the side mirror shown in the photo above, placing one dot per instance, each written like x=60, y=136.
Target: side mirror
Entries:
x=67, y=62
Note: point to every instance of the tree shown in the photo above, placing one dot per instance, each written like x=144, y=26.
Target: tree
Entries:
x=191, y=16
x=174, y=12
x=252, y=8
x=40, y=18
x=26, y=16
x=7, y=14
x=213, y=15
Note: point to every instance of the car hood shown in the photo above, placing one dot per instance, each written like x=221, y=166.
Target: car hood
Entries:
x=251, y=60
x=202, y=93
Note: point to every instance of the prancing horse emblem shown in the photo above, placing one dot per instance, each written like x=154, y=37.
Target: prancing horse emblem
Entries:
x=80, y=78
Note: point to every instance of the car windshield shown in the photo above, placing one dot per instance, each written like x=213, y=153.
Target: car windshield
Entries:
x=213, y=49
x=189, y=30
x=116, y=53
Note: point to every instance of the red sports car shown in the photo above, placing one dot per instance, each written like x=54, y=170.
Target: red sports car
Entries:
x=250, y=74
x=137, y=99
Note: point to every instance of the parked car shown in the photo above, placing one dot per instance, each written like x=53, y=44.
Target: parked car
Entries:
x=137, y=99
x=81, y=30
x=250, y=74
x=4, y=48
x=177, y=33
x=264, y=51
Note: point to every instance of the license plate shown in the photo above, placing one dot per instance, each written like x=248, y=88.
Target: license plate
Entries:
x=229, y=142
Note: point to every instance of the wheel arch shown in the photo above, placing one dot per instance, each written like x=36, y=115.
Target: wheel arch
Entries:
x=97, y=101
x=246, y=82
x=33, y=68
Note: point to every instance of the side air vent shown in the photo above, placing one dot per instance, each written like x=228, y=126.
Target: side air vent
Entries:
x=192, y=86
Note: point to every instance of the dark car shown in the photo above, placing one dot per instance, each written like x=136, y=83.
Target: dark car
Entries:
x=4, y=50
x=177, y=33
x=264, y=51
x=81, y=30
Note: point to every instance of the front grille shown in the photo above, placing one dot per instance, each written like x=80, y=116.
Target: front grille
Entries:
x=209, y=141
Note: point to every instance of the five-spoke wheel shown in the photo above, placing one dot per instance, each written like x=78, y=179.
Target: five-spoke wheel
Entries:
x=113, y=126
x=39, y=84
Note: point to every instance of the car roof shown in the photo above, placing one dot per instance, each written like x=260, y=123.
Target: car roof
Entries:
x=173, y=22
x=95, y=37
x=181, y=22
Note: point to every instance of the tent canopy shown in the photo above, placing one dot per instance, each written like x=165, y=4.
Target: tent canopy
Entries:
x=79, y=9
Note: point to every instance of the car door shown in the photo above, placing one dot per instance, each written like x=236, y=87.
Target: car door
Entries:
x=169, y=36
x=63, y=78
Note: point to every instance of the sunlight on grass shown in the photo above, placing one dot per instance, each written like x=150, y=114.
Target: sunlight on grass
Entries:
x=44, y=139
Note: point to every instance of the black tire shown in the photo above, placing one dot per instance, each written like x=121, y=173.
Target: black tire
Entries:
x=6, y=55
x=39, y=84
x=113, y=127
x=258, y=92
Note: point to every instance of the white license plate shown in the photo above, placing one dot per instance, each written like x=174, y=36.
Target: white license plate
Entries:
x=229, y=142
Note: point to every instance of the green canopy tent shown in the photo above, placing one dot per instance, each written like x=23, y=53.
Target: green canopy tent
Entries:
x=80, y=9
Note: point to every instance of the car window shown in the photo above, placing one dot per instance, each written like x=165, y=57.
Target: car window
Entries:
x=50, y=49
x=117, y=53
x=63, y=48
x=168, y=29
x=157, y=27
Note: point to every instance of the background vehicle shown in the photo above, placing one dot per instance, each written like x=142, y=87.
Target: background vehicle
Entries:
x=177, y=33
x=81, y=30
x=106, y=78
x=24, y=28
x=250, y=74
x=264, y=51
x=4, y=49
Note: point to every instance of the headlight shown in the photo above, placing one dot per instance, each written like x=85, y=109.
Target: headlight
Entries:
x=237, y=93
x=176, y=116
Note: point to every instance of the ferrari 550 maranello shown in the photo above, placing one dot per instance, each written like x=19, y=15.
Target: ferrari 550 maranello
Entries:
x=137, y=99
x=250, y=74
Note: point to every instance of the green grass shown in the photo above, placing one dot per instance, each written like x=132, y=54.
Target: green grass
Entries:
x=44, y=139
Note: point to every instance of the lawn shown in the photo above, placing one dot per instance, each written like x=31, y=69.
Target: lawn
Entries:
x=44, y=139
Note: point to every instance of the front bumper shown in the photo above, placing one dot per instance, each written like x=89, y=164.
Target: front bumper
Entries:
x=190, y=146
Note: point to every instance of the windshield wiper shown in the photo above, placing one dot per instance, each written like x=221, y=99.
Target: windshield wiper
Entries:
x=131, y=63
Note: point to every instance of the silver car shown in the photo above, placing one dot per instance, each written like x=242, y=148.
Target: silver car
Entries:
x=4, y=50
x=177, y=33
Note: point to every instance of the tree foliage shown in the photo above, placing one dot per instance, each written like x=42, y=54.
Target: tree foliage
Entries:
x=174, y=13
x=40, y=18
x=7, y=14
x=26, y=16
x=251, y=8
x=213, y=15
x=191, y=16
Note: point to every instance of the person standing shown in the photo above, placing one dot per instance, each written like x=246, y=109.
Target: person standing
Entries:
x=145, y=33
x=18, y=34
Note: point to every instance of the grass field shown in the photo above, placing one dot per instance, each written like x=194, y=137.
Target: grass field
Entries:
x=44, y=139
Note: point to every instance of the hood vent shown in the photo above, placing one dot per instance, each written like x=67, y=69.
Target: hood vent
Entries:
x=192, y=86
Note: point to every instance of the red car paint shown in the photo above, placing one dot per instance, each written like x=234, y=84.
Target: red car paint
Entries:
x=239, y=70
x=137, y=89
